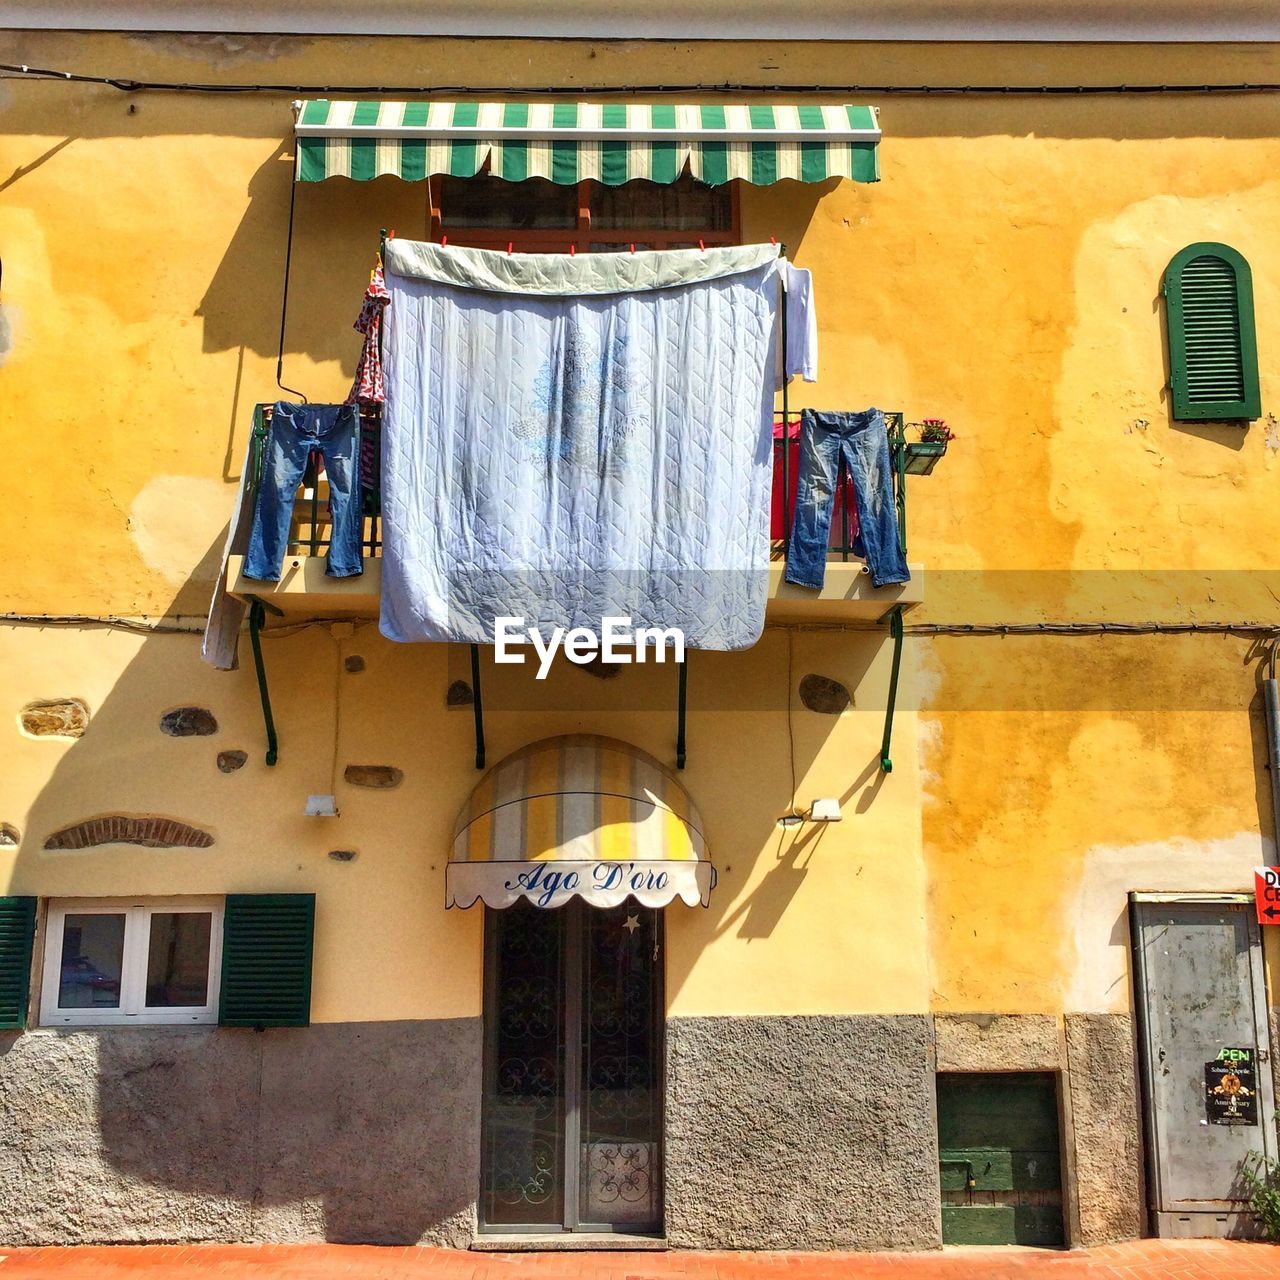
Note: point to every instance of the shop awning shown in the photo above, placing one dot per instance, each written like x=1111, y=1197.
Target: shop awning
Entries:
x=578, y=816
x=569, y=141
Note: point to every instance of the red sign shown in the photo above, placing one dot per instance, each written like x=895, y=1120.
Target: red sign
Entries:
x=1266, y=892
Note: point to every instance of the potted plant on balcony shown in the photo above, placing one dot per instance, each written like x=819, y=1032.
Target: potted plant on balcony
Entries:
x=923, y=454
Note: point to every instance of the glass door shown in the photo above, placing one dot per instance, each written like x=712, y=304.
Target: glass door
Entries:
x=524, y=1098
x=573, y=1070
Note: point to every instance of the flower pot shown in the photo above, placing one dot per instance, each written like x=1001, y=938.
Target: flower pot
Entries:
x=923, y=455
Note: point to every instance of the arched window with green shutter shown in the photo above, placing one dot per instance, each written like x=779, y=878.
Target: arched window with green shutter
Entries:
x=1213, y=346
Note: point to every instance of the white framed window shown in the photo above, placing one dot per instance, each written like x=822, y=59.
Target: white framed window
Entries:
x=116, y=961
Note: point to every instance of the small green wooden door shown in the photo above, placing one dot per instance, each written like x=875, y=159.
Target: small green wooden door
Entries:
x=999, y=1152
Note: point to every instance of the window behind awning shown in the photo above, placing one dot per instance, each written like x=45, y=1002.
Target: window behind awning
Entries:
x=567, y=142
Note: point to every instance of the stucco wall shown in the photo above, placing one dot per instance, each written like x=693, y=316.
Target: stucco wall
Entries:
x=1004, y=275
x=1060, y=774
x=385, y=946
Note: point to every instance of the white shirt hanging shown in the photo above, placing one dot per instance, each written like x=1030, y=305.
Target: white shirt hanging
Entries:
x=801, y=355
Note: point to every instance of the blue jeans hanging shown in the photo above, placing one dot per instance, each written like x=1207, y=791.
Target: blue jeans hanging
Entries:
x=297, y=429
x=861, y=442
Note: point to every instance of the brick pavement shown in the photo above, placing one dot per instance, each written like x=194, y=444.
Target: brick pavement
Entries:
x=1141, y=1260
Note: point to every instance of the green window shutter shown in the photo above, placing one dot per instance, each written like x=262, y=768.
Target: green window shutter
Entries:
x=17, y=931
x=1213, y=346
x=266, y=960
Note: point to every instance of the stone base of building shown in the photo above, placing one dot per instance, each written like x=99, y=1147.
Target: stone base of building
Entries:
x=780, y=1132
x=358, y=1132
x=1095, y=1057
x=809, y=1132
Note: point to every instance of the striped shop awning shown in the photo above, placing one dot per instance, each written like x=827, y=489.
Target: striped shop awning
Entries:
x=578, y=817
x=568, y=141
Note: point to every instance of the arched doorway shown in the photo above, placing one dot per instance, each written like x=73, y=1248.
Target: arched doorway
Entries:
x=575, y=845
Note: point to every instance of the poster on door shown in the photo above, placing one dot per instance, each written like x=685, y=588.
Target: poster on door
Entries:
x=1231, y=1088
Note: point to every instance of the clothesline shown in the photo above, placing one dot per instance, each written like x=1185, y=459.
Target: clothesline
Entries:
x=573, y=245
x=794, y=415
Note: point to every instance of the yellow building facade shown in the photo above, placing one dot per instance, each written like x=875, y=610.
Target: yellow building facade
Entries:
x=867, y=1009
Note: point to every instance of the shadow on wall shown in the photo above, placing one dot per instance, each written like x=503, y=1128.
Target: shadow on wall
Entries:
x=336, y=233
x=32, y=165
x=356, y=1131
x=758, y=914
x=1260, y=654
x=345, y=1132
x=191, y=599
x=756, y=776
x=337, y=226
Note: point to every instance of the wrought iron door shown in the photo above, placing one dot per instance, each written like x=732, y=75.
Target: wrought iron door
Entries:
x=573, y=1070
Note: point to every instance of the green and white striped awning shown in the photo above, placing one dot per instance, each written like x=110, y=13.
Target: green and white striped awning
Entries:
x=569, y=141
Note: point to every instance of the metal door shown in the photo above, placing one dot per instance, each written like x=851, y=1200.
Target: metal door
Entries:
x=572, y=1108
x=1205, y=1055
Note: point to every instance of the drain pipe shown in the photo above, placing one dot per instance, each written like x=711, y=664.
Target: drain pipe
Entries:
x=1271, y=700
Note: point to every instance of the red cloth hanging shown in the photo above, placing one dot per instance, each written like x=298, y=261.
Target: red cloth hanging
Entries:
x=844, y=499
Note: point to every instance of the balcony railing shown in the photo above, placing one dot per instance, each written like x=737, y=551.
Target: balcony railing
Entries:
x=309, y=533
x=840, y=545
x=304, y=589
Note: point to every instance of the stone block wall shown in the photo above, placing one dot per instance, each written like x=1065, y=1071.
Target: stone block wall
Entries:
x=1095, y=1055
x=801, y=1132
x=361, y=1132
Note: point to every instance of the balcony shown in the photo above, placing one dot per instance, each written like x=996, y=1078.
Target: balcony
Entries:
x=304, y=590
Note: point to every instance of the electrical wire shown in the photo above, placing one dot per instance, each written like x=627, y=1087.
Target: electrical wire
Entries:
x=142, y=625
x=791, y=733
x=18, y=71
x=174, y=626
x=284, y=296
x=337, y=710
x=1090, y=628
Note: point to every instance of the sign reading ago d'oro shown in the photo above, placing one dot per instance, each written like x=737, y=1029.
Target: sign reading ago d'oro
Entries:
x=1231, y=1087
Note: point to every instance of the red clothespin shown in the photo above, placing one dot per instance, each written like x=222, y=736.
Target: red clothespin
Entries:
x=702, y=246
x=444, y=240
x=391, y=235
x=573, y=248
x=773, y=240
x=511, y=246
x=633, y=248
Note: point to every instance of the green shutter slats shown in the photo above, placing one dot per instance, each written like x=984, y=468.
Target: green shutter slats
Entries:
x=17, y=932
x=1213, y=356
x=567, y=142
x=267, y=945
